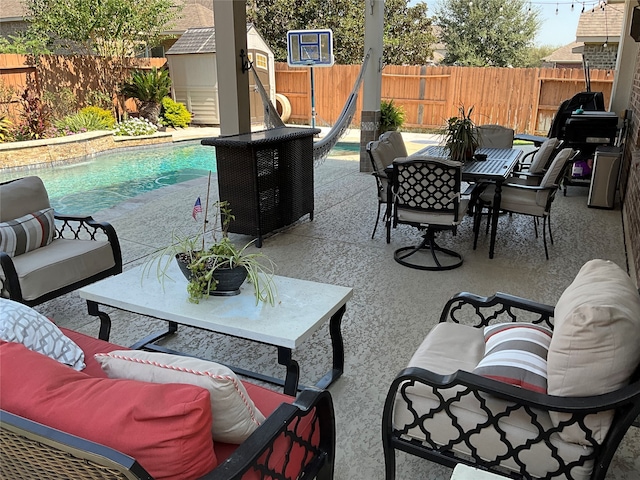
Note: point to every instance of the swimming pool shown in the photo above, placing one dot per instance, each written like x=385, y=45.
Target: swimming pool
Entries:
x=106, y=180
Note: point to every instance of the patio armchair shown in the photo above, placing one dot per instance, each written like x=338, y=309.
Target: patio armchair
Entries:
x=44, y=254
x=533, y=200
x=426, y=194
x=494, y=136
x=523, y=389
x=382, y=153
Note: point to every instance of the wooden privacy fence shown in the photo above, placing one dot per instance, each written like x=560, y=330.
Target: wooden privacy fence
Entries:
x=525, y=99
x=55, y=73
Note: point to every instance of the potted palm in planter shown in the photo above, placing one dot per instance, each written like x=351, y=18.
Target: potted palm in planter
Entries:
x=218, y=268
x=148, y=88
x=461, y=136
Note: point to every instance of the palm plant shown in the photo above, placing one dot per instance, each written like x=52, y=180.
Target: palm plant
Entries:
x=391, y=116
x=149, y=88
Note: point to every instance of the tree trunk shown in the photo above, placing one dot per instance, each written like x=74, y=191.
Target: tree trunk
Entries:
x=150, y=111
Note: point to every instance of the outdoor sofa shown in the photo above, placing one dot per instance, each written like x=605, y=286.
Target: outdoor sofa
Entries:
x=59, y=422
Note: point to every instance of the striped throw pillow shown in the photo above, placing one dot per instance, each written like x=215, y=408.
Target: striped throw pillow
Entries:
x=516, y=353
x=27, y=233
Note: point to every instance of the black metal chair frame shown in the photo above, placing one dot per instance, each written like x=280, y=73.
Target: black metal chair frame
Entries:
x=495, y=309
x=415, y=193
x=380, y=188
x=70, y=227
x=30, y=449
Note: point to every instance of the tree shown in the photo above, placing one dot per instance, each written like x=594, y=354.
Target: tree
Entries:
x=407, y=37
x=103, y=27
x=535, y=54
x=487, y=32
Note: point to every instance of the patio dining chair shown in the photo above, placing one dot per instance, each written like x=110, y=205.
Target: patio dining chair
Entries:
x=426, y=195
x=495, y=136
x=534, y=164
x=382, y=153
x=533, y=200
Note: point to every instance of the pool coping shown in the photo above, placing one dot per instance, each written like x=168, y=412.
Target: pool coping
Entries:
x=63, y=150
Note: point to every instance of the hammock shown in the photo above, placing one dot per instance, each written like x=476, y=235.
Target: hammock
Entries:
x=322, y=147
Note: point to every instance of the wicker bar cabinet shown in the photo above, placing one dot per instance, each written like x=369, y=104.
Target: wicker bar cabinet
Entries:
x=267, y=178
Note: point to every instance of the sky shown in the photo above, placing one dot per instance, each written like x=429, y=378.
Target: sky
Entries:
x=556, y=30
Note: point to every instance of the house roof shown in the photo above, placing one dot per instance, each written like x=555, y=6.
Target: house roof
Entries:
x=599, y=24
x=565, y=54
x=12, y=10
x=193, y=15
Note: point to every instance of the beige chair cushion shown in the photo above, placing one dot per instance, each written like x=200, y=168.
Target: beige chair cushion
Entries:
x=383, y=153
x=594, y=348
x=541, y=157
x=59, y=264
x=21, y=197
x=235, y=416
x=495, y=136
x=433, y=218
x=395, y=138
x=450, y=347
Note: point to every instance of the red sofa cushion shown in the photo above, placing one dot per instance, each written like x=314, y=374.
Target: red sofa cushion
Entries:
x=166, y=428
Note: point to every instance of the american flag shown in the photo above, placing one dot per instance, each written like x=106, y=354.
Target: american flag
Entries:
x=197, y=208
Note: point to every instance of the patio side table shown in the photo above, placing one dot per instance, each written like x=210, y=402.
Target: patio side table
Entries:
x=267, y=178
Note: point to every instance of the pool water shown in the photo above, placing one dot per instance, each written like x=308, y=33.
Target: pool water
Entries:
x=108, y=179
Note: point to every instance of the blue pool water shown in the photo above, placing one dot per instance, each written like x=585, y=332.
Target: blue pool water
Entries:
x=108, y=179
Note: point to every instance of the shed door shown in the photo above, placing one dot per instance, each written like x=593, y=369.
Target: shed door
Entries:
x=261, y=64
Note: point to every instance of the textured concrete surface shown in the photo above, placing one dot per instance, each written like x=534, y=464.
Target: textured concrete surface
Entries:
x=393, y=307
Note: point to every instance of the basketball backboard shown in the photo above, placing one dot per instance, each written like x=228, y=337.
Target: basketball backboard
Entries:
x=310, y=48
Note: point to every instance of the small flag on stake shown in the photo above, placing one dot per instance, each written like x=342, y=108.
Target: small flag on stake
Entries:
x=197, y=208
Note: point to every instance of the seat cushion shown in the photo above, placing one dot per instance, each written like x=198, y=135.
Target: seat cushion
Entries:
x=166, y=428
x=61, y=263
x=433, y=218
x=235, y=416
x=594, y=348
x=22, y=324
x=450, y=347
x=541, y=157
x=22, y=196
x=27, y=233
x=516, y=200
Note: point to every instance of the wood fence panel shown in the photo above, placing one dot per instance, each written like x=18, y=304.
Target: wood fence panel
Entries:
x=52, y=74
x=524, y=99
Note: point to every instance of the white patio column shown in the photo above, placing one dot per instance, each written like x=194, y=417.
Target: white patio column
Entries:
x=370, y=115
x=627, y=53
x=230, y=19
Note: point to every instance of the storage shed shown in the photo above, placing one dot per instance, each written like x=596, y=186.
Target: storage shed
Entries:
x=192, y=66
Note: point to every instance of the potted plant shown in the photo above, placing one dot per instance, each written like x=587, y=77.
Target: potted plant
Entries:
x=461, y=136
x=391, y=116
x=219, y=268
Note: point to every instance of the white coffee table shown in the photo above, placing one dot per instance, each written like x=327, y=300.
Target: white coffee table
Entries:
x=301, y=308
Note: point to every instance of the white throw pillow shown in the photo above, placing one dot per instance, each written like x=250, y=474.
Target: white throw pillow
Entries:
x=22, y=324
x=235, y=416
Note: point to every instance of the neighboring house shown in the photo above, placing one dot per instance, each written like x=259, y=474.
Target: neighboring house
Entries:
x=564, y=57
x=193, y=65
x=12, y=13
x=597, y=39
x=439, y=48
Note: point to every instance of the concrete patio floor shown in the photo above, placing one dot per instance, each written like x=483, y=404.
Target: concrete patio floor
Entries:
x=393, y=307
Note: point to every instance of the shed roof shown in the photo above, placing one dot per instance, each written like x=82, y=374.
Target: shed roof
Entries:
x=195, y=40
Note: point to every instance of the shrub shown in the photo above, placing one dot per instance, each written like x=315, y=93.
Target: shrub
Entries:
x=391, y=116
x=34, y=119
x=105, y=116
x=5, y=128
x=61, y=103
x=86, y=120
x=134, y=127
x=174, y=114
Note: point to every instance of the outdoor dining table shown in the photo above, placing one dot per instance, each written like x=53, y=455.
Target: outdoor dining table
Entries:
x=496, y=168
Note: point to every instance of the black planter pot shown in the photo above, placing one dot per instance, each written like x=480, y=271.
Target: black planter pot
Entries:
x=229, y=279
